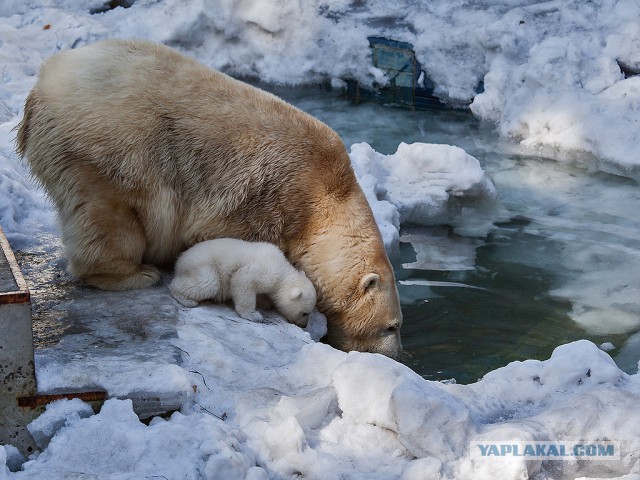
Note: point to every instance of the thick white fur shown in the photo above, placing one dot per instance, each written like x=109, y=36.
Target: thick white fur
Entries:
x=146, y=152
x=230, y=269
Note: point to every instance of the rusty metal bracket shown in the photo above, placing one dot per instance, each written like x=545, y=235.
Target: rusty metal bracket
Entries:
x=36, y=401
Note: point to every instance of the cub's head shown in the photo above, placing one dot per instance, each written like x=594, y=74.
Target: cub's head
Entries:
x=296, y=298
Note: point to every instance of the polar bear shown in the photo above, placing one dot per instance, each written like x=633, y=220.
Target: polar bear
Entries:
x=231, y=269
x=146, y=152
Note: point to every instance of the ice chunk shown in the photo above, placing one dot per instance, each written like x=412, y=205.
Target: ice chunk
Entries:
x=4, y=470
x=57, y=415
x=431, y=185
x=607, y=346
x=428, y=421
x=317, y=326
x=438, y=249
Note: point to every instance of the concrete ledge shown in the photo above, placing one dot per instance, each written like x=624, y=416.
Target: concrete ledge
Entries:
x=17, y=370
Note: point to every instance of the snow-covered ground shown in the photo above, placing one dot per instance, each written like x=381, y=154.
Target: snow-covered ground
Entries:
x=265, y=400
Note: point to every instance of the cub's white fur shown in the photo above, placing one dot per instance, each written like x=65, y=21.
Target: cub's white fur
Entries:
x=231, y=269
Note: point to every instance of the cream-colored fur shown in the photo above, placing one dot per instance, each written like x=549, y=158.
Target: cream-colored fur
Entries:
x=146, y=152
x=230, y=269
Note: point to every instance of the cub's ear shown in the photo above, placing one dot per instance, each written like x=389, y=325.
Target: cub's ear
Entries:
x=295, y=293
x=369, y=281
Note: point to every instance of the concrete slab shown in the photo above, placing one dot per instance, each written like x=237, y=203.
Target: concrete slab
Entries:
x=17, y=371
x=87, y=339
x=59, y=339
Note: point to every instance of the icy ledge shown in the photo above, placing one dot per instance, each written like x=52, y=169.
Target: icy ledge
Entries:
x=268, y=402
x=427, y=184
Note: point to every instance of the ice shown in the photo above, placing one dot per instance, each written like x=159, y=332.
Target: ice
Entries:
x=597, y=233
x=57, y=415
x=438, y=249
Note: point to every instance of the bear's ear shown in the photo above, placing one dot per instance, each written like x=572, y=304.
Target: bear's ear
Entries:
x=369, y=281
x=296, y=293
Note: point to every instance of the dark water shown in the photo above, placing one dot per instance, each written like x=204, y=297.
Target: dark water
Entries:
x=463, y=333
x=477, y=304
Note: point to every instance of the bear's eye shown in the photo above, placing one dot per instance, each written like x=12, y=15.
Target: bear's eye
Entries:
x=305, y=314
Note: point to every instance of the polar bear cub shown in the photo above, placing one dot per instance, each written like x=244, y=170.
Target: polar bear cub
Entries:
x=230, y=269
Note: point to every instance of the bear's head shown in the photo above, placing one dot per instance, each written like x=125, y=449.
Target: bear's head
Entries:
x=343, y=255
x=295, y=298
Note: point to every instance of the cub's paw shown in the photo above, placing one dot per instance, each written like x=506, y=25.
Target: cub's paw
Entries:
x=187, y=302
x=254, y=316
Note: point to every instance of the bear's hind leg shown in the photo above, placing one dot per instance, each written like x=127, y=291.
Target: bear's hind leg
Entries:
x=124, y=276
x=104, y=239
x=191, y=287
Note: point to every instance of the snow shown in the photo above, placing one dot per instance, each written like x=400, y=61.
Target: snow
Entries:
x=57, y=415
x=298, y=406
x=431, y=185
x=266, y=400
x=550, y=70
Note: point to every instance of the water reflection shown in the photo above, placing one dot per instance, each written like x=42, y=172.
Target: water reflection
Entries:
x=565, y=267
x=463, y=333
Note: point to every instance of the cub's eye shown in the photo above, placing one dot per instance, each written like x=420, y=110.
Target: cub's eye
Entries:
x=305, y=314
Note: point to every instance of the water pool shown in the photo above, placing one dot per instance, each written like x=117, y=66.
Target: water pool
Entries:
x=566, y=266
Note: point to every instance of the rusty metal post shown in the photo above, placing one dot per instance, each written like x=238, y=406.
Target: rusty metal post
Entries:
x=20, y=402
x=17, y=370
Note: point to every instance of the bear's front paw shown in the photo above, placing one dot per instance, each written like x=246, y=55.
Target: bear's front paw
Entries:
x=254, y=316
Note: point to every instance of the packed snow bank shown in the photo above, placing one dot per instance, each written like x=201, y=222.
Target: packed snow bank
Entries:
x=555, y=82
x=551, y=70
x=430, y=185
x=558, y=76
x=270, y=403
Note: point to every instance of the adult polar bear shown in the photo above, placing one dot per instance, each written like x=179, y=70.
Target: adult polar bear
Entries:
x=146, y=152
